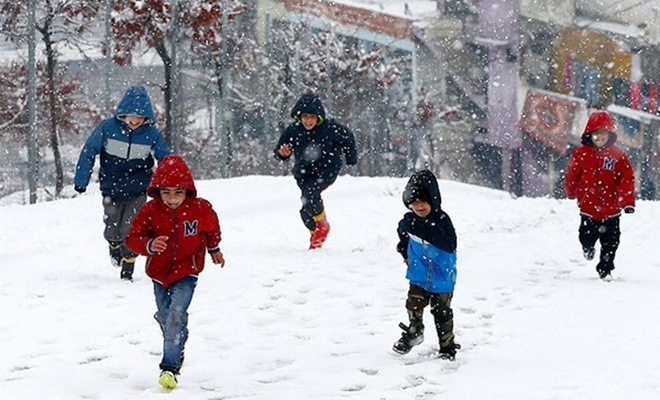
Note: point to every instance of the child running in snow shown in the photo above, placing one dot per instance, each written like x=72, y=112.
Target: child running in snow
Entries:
x=600, y=177
x=127, y=144
x=427, y=242
x=317, y=144
x=174, y=230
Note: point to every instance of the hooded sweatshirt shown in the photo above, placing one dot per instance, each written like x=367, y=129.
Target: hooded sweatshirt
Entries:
x=127, y=156
x=192, y=228
x=601, y=179
x=318, y=152
x=428, y=244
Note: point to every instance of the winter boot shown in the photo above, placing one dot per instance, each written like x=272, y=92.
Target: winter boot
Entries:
x=115, y=254
x=412, y=336
x=604, y=274
x=319, y=234
x=127, y=267
x=604, y=268
x=167, y=379
x=449, y=352
x=589, y=253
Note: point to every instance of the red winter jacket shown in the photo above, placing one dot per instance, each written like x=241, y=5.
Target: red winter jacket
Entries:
x=192, y=228
x=602, y=180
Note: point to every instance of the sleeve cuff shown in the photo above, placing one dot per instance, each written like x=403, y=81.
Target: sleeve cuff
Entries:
x=149, y=249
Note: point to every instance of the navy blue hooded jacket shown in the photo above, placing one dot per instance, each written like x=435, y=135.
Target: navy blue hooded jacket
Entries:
x=127, y=156
x=318, y=153
x=429, y=244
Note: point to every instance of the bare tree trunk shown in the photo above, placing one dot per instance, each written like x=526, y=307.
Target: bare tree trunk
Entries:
x=167, y=93
x=51, y=63
x=33, y=162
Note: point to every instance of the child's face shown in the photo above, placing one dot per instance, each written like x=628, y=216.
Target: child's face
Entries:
x=173, y=197
x=134, y=121
x=309, y=121
x=599, y=138
x=421, y=208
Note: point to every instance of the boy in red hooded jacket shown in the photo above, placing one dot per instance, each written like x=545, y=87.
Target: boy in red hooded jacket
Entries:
x=600, y=177
x=174, y=230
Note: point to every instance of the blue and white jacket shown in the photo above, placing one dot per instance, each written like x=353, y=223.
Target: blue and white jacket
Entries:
x=428, y=244
x=127, y=156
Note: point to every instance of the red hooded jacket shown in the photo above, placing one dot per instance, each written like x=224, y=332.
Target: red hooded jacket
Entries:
x=602, y=180
x=192, y=228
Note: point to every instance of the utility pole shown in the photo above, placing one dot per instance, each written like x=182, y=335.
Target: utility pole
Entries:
x=33, y=167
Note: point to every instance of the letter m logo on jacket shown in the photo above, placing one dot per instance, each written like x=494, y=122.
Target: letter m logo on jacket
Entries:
x=190, y=228
x=608, y=163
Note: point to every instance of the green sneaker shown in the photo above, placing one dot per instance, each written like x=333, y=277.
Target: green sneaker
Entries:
x=167, y=380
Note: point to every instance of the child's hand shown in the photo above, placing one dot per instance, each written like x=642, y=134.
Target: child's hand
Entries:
x=284, y=150
x=159, y=244
x=218, y=258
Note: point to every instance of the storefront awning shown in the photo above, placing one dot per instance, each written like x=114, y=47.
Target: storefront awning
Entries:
x=552, y=118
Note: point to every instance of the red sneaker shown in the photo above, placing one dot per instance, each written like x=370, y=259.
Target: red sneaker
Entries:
x=319, y=234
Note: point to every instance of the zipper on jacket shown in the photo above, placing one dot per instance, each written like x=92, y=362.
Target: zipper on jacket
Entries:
x=130, y=141
x=429, y=275
x=599, y=178
x=175, y=239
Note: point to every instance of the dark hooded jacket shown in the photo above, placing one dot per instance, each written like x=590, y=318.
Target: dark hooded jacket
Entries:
x=428, y=244
x=192, y=228
x=602, y=180
x=127, y=156
x=317, y=153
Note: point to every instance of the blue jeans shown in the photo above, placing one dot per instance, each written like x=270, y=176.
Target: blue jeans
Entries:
x=172, y=316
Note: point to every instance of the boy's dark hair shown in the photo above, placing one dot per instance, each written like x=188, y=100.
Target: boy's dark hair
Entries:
x=309, y=103
x=418, y=193
x=422, y=185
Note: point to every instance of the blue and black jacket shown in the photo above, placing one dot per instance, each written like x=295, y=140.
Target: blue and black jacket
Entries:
x=127, y=156
x=318, y=153
x=429, y=244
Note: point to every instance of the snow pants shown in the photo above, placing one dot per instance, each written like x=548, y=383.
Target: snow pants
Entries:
x=117, y=217
x=443, y=316
x=607, y=232
x=311, y=187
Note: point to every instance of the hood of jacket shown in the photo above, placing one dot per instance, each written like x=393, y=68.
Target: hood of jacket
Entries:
x=172, y=171
x=136, y=101
x=309, y=103
x=599, y=120
x=422, y=185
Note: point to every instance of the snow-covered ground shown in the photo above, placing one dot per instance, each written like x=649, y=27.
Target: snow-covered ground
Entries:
x=280, y=322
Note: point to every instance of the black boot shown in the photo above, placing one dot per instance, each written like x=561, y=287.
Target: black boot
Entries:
x=604, y=268
x=412, y=336
x=449, y=352
x=115, y=253
x=127, y=267
x=589, y=253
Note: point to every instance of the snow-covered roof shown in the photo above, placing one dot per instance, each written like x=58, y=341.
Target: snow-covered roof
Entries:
x=630, y=31
x=413, y=9
x=634, y=114
x=632, y=12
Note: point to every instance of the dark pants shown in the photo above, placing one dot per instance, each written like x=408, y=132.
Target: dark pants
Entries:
x=607, y=232
x=117, y=216
x=443, y=315
x=312, y=203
